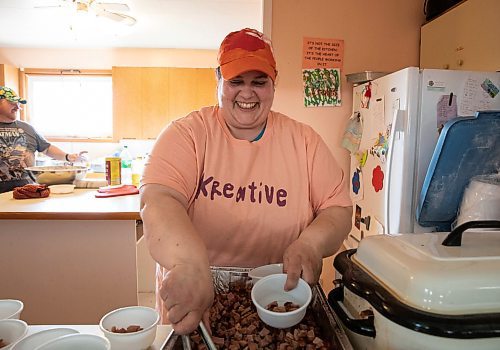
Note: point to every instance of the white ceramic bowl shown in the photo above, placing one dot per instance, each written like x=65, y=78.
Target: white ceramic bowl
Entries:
x=77, y=341
x=145, y=317
x=263, y=271
x=12, y=331
x=61, y=189
x=10, y=308
x=272, y=288
x=36, y=339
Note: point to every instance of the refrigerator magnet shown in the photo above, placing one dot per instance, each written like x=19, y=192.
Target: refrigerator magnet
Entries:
x=357, y=217
x=366, y=95
x=361, y=157
x=446, y=109
x=357, y=185
x=490, y=88
x=378, y=178
x=381, y=146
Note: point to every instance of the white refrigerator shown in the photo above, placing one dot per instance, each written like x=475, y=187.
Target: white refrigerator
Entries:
x=396, y=121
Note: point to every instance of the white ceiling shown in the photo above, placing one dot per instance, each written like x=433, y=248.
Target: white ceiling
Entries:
x=185, y=24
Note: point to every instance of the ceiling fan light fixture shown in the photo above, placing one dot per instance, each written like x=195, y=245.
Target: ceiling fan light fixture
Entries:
x=82, y=7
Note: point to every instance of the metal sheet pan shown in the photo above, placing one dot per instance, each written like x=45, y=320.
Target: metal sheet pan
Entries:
x=325, y=318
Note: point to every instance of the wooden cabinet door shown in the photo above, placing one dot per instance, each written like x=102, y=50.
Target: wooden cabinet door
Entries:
x=191, y=89
x=155, y=101
x=464, y=38
x=127, y=103
x=145, y=100
x=9, y=76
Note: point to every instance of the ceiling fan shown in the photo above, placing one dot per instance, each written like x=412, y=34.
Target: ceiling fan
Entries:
x=108, y=10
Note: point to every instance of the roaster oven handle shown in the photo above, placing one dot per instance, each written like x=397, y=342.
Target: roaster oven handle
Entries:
x=454, y=238
x=364, y=326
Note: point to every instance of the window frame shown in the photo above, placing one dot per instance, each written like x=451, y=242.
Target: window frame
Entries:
x=25, y=112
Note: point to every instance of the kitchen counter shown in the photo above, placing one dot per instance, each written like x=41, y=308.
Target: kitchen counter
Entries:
x=71, y=258
x=79, y=205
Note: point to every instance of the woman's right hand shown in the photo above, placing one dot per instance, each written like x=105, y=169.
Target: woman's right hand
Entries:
x=188, y=293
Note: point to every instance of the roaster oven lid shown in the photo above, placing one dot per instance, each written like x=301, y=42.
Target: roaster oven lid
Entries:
x=424, y=274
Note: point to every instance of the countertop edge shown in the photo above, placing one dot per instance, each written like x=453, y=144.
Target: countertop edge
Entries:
x=68, y=216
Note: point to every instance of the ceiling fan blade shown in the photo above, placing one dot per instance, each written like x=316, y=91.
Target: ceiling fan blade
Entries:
x=110, y=6
x=54, y=3
x=118, y=17
x=48, y=6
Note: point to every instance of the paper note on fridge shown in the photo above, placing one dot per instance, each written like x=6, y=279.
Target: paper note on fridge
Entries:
x=475, y=97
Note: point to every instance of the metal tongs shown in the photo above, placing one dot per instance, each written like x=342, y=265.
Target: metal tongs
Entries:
x=205, y=336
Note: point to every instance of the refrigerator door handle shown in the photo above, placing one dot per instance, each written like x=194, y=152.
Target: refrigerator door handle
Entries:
x=397, y=126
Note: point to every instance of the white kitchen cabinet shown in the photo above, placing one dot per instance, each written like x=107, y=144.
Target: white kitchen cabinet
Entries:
x=467, y=37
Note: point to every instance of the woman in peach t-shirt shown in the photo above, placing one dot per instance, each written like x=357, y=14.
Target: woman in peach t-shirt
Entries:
x=239, y=185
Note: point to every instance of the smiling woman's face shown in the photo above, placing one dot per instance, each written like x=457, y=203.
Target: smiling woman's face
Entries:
x=245, y=103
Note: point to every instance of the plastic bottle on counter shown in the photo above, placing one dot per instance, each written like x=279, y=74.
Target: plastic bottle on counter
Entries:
x=137, y=169
x=126, y=166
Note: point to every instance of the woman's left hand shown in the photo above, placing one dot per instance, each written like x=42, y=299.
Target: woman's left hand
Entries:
x=302, y=259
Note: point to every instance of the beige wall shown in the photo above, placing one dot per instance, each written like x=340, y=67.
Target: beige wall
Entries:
x=378, y=36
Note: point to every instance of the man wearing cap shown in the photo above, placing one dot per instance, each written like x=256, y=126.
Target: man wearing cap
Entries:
x=238, y=184
x=18, y=143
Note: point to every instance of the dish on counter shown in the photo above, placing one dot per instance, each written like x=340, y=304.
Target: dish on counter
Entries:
x=34, y=340
x=61, y=189
x=10, y=308
x=57, y=174
x=12, y=331
x=145, y=317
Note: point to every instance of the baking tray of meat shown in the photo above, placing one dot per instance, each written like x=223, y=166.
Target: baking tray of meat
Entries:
x=235, y=324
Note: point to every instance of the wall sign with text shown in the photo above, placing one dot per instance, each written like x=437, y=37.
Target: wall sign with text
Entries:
x=322, y=60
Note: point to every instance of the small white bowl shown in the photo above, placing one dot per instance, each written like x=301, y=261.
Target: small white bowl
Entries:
x=77, y=341
x=11, y=331
x=10, y=308
x=34, y=340
x=61, y=189
x=145, y=317
x=272, y=288
x=263, y=271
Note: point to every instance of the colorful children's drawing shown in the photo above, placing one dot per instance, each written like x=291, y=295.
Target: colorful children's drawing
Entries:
x=321, y=87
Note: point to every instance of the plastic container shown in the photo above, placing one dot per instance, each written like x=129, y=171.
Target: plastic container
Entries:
x=145, y=317
x=76, y=341
x=270, y=289
x=126, y=166
x=10, y=308
x=263, y=271
x=11, y=331
x=113, y=171
x=137, y=169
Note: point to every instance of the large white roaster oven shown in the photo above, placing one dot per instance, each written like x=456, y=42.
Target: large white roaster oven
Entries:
x=437, y=290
